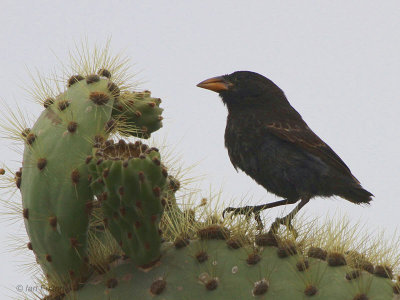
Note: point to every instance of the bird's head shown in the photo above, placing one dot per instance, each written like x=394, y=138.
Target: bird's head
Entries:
x=243, y=88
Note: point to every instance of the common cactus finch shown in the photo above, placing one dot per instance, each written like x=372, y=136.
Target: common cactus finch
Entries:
x=268, y=140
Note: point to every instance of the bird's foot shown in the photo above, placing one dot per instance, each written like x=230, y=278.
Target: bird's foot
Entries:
x=247, y=211
x=283, y=221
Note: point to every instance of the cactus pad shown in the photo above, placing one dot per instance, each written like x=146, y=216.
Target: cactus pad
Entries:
x=53, y=183
x=210, y=269
x=128, y=180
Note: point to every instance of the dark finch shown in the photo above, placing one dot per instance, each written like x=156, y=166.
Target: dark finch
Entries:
x=268, y=139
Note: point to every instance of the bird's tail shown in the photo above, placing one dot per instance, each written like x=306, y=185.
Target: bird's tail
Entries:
x=357, y=194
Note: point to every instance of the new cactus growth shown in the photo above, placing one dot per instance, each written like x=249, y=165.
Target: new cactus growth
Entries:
x=138, y=113
x=129, y=180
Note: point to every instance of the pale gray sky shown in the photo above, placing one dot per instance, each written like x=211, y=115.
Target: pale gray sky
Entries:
x=337, y=61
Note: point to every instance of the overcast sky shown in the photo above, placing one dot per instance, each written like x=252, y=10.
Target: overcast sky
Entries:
x=337, y=61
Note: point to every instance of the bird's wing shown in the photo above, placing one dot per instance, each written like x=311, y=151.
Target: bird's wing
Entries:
x=302, y=136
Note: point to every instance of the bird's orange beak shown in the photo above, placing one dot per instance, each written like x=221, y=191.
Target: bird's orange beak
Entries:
x=216, y=84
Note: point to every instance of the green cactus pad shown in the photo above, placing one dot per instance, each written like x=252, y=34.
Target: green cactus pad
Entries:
x=54, y=185
x=210, y=269
x=138, y=109
x=129, y=188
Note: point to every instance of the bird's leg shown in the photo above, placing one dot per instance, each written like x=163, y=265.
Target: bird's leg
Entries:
x=287, y=220
x=248, y=210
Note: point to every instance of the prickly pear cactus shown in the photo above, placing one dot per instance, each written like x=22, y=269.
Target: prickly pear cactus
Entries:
x=104, y=222
x=58, y=183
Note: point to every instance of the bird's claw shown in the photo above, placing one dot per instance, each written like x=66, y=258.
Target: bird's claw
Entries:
x=283, y=221
x=246, y=210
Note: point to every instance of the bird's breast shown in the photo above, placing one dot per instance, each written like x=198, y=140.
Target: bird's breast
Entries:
x=242, y=139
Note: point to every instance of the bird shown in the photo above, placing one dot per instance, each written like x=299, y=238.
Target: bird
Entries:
x=268, y=140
